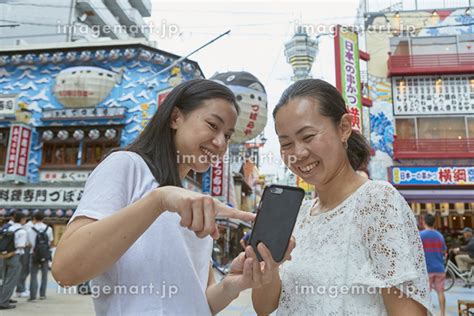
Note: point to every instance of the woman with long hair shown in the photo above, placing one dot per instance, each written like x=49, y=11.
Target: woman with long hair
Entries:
x=143, y=239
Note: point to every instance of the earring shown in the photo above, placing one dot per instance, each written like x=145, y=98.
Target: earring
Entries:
x=345, y=144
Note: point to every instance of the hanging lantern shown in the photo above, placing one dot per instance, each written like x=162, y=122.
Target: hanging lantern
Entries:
x=44, y=58
x=94, y=134
x=71, y=56
x=416, y=207
x=4, y=60
x=69, y=212
x=78, y=134
x=47, y=135
x=63, y=134
x=459, y=206
x=129, y=53
x=430, y=209
x=110, y=133
x=57, y=57
x=159, y=59
x=30, y=59
x=17, y=59
x=188, y=68
x=252, y=100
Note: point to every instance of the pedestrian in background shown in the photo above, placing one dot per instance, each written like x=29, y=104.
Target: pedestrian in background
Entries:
x=465, y=261
x=435, y=248
x=11, y=260
x=40, y=237
x=244, y=242
x=21, y=290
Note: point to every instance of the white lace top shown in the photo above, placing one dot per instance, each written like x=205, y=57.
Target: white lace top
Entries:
x=343, y=257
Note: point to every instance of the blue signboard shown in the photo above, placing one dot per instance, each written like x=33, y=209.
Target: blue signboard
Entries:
x=452, y=175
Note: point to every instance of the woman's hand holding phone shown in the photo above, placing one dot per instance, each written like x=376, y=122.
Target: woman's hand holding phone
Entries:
x=247, y=272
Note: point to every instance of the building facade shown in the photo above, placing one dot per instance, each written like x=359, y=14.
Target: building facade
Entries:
x=421, y=77
x=63, y=108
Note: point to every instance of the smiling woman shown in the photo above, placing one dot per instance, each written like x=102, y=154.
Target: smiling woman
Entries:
x=359, y=251
x=136, y=227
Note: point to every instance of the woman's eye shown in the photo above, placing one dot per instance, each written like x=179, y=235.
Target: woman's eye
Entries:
x=285, y=146
x=308, y=138
x=213, y=126
x=227, y=137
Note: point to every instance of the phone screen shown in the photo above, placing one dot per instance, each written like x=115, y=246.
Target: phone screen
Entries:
x=276, y=219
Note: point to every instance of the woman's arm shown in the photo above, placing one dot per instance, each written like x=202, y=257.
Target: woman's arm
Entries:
x=89, y=247
x=265, y=299
x=219, y=295
x=397, y=303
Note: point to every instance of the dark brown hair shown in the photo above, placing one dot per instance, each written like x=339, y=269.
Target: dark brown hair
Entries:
x=332, y=105
x=156, y=144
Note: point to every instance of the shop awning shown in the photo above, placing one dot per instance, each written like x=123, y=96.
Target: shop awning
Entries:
x=438, y=196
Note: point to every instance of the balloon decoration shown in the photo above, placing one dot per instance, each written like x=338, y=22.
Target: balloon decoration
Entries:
x=84, y=86
x=252, y=100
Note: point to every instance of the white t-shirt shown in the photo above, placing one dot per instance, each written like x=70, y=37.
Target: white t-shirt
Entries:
x=20, y=237
x=346, y=255
x=166, y=259
x=39, y=227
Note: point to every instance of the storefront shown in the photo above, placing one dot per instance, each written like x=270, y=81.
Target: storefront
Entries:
x=445, y=192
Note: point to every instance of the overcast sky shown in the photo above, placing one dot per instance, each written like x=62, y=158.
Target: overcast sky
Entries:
x=259, y=30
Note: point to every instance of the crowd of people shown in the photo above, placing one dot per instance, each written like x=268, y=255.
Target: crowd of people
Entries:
x=24, y=250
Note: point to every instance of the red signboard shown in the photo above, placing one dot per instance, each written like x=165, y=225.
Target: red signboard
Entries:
x=162, y=96
x=18, y=151
x=217, y=179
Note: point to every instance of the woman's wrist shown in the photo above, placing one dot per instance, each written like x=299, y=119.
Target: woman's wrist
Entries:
x=159, y=202
x=229, y=288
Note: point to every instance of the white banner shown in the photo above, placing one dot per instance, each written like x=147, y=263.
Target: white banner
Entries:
x=433, y=95
x=35, y=196
x=84, y=113
x=7, y=105
x=64, y=176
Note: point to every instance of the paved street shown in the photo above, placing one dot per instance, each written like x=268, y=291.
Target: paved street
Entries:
x=60, y=303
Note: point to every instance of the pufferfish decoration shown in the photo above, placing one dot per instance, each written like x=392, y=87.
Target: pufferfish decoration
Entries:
x=252, y=99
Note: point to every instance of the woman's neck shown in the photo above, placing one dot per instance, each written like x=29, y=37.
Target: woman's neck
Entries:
x=338, y=189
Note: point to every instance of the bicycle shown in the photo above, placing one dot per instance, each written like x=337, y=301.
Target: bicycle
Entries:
x=452, y=271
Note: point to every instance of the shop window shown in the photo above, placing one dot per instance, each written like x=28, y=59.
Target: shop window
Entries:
x=456, y=222
x=56, y=153
x=3, y=146
x=78, y=146
x=441, y=128
x=467, y=220
x=94, y=152
x=405, y=128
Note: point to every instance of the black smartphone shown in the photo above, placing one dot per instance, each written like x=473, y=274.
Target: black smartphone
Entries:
x=276, y=218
